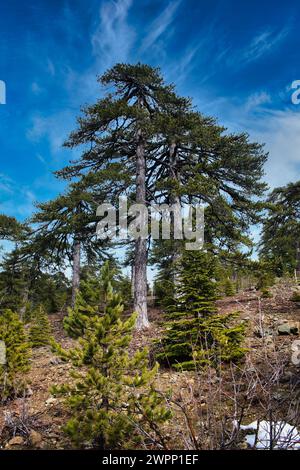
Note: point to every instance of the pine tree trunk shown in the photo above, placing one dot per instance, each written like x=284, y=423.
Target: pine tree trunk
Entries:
x=75, y=270
x=132, y=281
x=140, y=259
x=175, y=202
x=25, y=298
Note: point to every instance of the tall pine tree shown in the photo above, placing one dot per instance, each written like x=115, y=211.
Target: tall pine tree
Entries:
x=280, y=244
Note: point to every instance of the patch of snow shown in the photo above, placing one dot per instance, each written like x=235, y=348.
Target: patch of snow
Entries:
x=282, y=435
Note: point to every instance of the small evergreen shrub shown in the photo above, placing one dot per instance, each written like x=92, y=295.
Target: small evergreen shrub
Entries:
x=17, y=355
x=195, y=334
x=264, y=278
x=40, y=329
x=75, y=322
x=90, y=290
x=113, y=400
x=229, y=288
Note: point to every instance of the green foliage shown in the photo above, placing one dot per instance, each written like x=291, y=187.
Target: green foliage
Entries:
x=123, y=287
x=50, y=290
x=266, y=294
x=78, y=316
x=228, y=181
x=163, y=291
x=40, y=329
x=13, y=281
x=93, y=285
x=17, y=355
x=11, y=229
x=265, y=279
x=196, y=334
x=281, y=230
x=68, y=217
x=229, y=287
x=93, y=296
x=295, y=296
x=23, y=285
x=112, y=397
x=90, y=290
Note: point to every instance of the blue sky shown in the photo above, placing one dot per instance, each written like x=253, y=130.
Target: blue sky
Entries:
x=237, y=59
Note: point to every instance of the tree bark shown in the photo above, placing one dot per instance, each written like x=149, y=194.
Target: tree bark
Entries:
x=25, y=298
x=75, y=269
x=132, y=281
x=140, y=259
x=175, y=202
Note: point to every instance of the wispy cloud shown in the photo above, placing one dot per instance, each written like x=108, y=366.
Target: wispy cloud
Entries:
x=263, y=43
x=50, y=67
x=110, y=41
x=258, y=99
x=279, y=130
x=159, y=26
x=54, y=128
x=183, y=66
x=113, y=37
x=281, y=133
x=15, y=200
x=36, y=88
x=5, y=184
x=41, y=159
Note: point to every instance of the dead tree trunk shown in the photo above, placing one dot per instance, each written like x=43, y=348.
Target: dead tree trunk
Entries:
x=140, y=259
x=75, y=269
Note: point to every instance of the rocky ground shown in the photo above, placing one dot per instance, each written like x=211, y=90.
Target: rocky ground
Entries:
x=268, y=381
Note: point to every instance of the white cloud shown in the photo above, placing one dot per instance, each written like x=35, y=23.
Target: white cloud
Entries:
x=50, y=67
x=281, y=133
x=15, y=200
x=36, y=89
x=183, y=66
x=41, y=159
x=278, y=129
x=160, y=25
x=111, y=41
x=55, y=128
x=261, y=44
x=5, y=184
x=113, y=37
x=257, y=99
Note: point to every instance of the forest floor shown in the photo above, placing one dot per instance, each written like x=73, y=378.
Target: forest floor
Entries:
x=205, y=403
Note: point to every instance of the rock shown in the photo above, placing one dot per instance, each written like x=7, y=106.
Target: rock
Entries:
x=281, y=321
x=29, y=392
x=54, y=361
x=270, y=345
x=262, y=334
x=243, y=445
x=269, y=340
x=50, y=401
x=16, y=441
x=287, y=377
x=214, y=380
x=288, y=329
x=35, y=438
x=279, y=396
